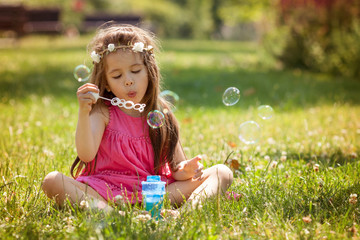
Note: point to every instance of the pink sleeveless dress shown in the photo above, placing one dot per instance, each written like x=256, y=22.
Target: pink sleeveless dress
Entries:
x=124, y=159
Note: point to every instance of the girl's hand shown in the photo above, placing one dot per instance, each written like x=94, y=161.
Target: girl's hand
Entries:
x=85, y=98
x=191, y=168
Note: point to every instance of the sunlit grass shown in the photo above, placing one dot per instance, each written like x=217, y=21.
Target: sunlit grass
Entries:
x=305, y=164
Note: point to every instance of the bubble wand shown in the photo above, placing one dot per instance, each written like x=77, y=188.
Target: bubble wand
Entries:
x=121, y=102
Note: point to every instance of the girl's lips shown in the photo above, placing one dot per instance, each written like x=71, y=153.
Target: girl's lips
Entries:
x=131, y=94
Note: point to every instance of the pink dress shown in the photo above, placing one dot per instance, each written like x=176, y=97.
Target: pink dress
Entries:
x=124, y=159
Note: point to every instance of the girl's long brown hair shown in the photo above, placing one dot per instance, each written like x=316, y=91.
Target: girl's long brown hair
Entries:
x=164, y=139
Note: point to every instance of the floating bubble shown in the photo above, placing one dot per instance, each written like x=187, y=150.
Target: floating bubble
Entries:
x=265, y=111
x=155, y=119
x=170, y=97
x=82, y=73
x=249, y=132
x=231, y=96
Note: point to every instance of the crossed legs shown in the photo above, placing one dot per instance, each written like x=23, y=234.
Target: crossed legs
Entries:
x=216, y=179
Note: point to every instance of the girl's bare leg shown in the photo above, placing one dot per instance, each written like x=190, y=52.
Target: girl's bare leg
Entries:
x=59, y=187
x=216, y=179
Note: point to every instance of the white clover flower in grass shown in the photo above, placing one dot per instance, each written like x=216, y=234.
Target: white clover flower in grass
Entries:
x=95, y=57
x=68, y=220
x=138, y=47
x=273, y=164
x=69, y=229
x=316, y=167
x=101, y=205
x=143, y=217
x=48, y=153
x=111, y=47
x=119, y=198
x=307, y=219
x=271, y=141
x=84, y=204
x=168, y=213
x=248, y=169
x=353, y=198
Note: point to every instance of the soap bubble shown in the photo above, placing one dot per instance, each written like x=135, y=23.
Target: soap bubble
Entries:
x=155, y=119
x=82, y=73
x=265, y=111
x=250, y=132
x=170, y=97
x=231, y=96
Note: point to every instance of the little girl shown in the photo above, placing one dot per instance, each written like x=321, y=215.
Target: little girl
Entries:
x=116, y=148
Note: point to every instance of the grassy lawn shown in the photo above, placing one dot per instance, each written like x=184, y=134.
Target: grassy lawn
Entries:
x=294, y=183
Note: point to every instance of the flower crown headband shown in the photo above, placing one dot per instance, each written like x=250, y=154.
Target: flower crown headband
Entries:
x=137, y=47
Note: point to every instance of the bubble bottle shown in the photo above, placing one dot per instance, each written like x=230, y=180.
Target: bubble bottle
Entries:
x=153, y=191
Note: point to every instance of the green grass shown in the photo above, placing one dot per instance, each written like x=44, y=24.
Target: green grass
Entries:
x=316, y=121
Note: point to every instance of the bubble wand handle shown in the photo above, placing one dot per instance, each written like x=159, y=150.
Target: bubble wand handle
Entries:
x=108, y=99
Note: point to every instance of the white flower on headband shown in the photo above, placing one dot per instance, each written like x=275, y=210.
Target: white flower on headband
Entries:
x=149, y=48
x=96, y=57
x=138, y=47
x=111, y=47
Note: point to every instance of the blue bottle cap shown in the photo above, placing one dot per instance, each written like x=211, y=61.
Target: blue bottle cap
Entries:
x=153, y=178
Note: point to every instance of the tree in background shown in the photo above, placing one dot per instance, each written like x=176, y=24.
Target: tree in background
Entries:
x=245, y=19
x=235, y=11
x=173, y=18
x=319, y=35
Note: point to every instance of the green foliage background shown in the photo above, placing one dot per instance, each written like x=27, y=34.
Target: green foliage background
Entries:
x=322, y=36
x=169, y=18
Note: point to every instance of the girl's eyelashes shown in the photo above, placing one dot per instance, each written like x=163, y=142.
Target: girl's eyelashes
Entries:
x=137, y=71
x=119, y=76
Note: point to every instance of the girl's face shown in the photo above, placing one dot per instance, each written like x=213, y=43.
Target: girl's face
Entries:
x=126, y=76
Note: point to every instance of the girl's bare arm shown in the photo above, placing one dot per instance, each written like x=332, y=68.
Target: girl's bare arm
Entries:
x=91, y=125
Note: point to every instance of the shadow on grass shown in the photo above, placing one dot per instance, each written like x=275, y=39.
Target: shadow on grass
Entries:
x=40, y=82
x=335, y=158
x=203, y=87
